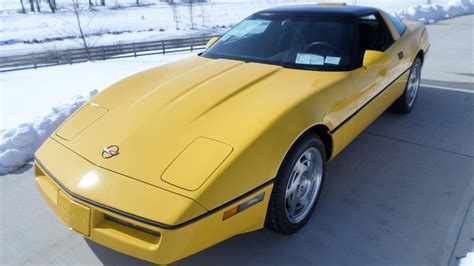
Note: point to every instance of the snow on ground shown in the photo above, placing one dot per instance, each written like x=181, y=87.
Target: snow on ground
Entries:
x=120, y=21
x=30, y=93
x=468, y=260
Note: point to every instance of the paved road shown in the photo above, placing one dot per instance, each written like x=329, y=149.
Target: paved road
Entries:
x=401, y=193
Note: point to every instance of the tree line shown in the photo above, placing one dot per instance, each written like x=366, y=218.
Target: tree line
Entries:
x=35, y=5
x=79, y=7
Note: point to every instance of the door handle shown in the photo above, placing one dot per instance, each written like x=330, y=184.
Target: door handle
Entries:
x=401, y=55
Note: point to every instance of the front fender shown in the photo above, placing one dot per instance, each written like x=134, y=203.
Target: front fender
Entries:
x=258, y=155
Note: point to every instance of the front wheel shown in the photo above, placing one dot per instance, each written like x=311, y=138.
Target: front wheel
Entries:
x=405, y=103
x=297, y=186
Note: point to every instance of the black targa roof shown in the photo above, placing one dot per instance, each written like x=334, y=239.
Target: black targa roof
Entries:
x=319, y=10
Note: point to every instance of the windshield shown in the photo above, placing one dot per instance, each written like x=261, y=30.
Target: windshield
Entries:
x=293, y=42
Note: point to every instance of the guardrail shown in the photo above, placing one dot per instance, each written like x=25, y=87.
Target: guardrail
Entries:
x=73, y=56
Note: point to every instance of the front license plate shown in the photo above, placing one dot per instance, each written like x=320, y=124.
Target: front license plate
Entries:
x=73, y=214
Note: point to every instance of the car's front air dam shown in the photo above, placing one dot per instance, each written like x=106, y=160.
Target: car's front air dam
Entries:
x=133, y=217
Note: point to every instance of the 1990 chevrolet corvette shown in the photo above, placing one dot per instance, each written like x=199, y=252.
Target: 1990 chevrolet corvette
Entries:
x=175, y=159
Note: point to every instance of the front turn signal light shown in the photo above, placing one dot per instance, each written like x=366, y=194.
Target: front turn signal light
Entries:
x=239, y=208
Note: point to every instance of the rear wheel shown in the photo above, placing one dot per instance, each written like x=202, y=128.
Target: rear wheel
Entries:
x=405, y=103
x=297, y=186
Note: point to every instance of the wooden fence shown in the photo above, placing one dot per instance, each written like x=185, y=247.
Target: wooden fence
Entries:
x=73, y=56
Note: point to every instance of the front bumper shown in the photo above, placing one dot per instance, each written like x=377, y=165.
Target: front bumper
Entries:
x=140, y=238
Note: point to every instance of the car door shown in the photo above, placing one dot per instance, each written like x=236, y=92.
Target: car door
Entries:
x=374, y=35
x=370, y=82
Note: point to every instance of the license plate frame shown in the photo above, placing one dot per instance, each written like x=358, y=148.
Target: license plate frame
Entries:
x=75, y=215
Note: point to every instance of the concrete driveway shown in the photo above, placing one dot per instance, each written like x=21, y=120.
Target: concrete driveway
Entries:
x=401, y=193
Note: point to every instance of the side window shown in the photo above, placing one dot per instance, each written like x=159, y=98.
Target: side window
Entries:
x=398, y=24
x=374, y=33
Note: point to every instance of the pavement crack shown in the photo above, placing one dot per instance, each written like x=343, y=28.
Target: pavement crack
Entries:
x=418, y=144
x=459, y=232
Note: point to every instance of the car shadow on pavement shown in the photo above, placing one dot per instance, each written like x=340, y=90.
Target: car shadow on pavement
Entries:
x=111, y=257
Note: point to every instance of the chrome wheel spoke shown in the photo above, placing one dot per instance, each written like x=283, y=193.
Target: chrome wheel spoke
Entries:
x=304, y=201
x=292, y=189
x=413, y=84
x=301, y=167
x=303, y=185
x=292, y=203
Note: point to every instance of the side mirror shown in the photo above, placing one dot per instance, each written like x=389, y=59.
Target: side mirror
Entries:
x=211, y=42
x=375, y=59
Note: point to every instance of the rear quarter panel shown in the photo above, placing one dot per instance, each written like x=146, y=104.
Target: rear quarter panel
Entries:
x=413, y=40
x=417, y=38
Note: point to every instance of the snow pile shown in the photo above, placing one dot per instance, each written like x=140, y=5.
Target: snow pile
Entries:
x=18, y=145
x=468, y=260
x=434, y=12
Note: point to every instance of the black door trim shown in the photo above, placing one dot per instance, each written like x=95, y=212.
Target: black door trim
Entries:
x=367, y=103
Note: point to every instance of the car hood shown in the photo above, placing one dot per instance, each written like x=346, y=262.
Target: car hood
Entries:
x=154, y=115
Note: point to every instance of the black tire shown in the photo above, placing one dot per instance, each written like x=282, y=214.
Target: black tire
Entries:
x=277, y=219
x=405, y=103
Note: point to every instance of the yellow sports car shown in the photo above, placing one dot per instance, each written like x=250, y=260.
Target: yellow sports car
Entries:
x=177, y=158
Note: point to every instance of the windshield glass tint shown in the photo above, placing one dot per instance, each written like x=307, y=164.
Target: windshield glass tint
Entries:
x=294, y=42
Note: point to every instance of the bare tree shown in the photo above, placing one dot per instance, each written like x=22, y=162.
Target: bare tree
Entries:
x=174, y=8
x=52, y=5
x=38, y=5
x=102, y=2
x=32, y=6
x=77, y=10
x=191, y=13
x=79, y=24
x=203, y=16
x=23, y=10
